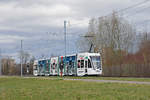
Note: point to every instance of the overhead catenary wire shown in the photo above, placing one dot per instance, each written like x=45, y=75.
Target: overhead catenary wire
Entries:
x=133, y=6
x=137, y=12
x=119, y=11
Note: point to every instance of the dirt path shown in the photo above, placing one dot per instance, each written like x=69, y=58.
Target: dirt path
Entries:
x=108, y=81
x=91, y=80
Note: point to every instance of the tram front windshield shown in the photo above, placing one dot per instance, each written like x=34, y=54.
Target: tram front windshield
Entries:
x=96, y=62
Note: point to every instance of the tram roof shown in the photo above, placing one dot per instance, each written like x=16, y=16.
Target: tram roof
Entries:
x=87, y=53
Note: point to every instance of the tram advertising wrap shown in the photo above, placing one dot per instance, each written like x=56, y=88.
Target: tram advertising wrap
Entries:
x=80, y=64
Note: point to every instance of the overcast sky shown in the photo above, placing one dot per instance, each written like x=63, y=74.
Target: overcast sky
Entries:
x=39, y=23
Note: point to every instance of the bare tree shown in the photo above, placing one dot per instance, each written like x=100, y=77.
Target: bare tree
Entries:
x=110, y=32
x=8, y=66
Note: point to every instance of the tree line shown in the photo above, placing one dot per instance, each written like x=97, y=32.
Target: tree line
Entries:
x=10, y=67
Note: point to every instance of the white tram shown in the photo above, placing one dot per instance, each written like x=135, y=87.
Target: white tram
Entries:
x=89, y=64
x=80, y=64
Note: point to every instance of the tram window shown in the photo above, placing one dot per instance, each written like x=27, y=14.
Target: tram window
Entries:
x=41, y=65
x=89, y=64
x=53, y=65
x=82, y=63
x=85, y=64
x=47, y=66
x=70, y=63
x=56, y=65
x=56, y=68
x=67, y=64
x=35, y=67
x=79, y=64
x=73, y=64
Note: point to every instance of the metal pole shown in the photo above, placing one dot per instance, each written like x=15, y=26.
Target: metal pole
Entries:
x=65, y=35
x=21, y=58
x=65, y=40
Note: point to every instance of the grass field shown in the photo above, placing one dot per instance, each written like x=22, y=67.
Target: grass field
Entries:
x=13, y=88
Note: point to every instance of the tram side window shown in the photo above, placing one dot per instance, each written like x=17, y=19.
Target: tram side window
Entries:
x=70, y=63
x=73, y=64
x=47, y=66
x=82, y=63
x=35, y=67
x=56, y=68
x=53, y=65
x=89, y=64
x=85, y=64
x=41, y=65
x=67, y=65
x=79, y=64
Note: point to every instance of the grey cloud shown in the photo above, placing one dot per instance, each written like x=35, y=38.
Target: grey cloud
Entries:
x=33, y=19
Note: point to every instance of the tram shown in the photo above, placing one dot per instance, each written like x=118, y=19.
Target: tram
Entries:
x=80, y=64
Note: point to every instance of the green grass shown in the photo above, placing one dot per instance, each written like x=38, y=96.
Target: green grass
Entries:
x=13, y=88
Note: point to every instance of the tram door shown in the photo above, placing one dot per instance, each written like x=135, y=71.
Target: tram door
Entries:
x=86, y=66
x=81, y=68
